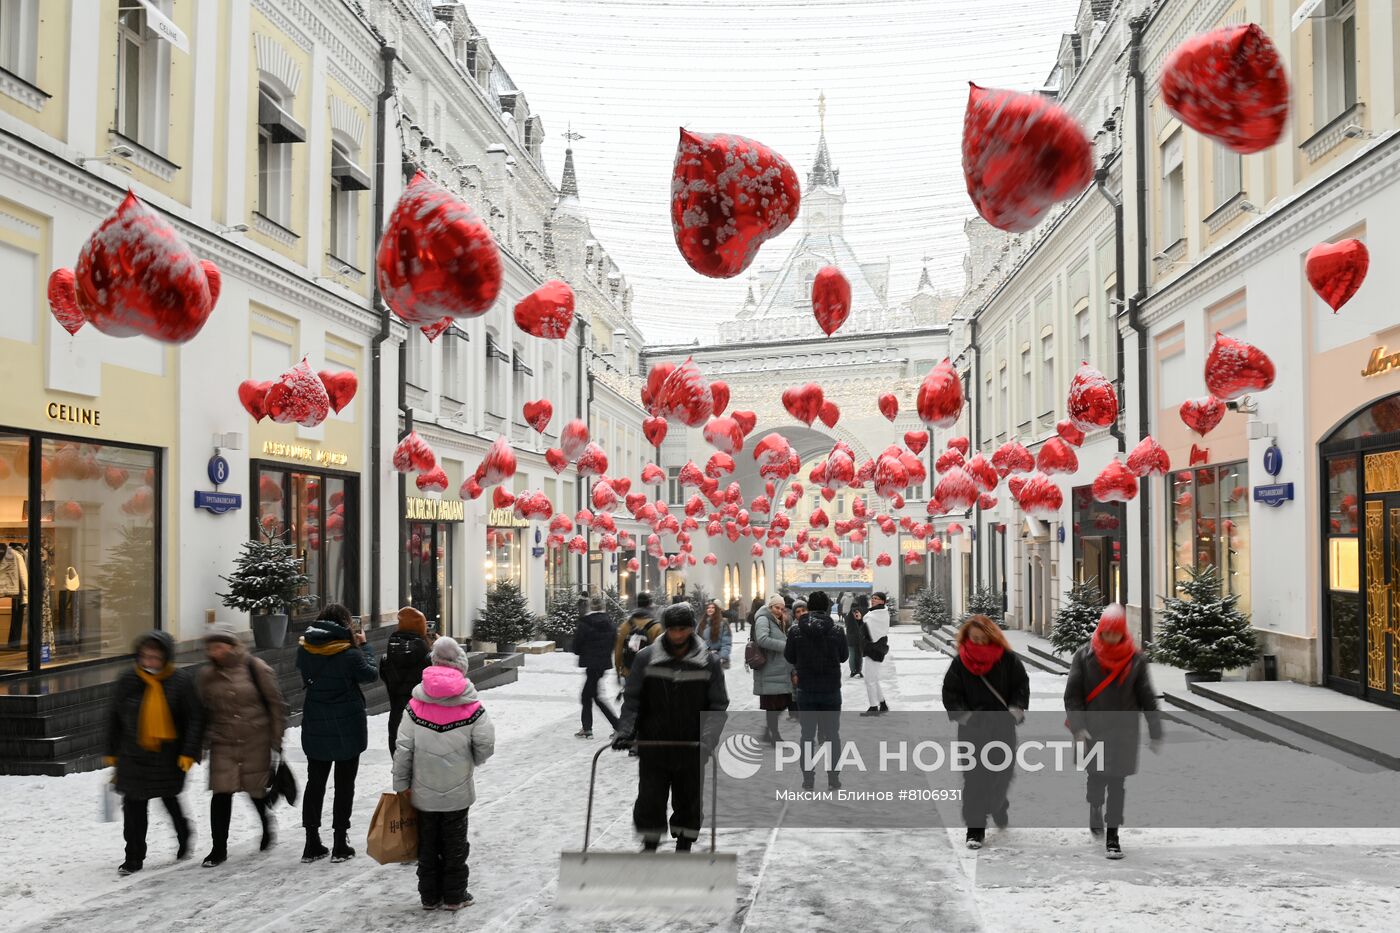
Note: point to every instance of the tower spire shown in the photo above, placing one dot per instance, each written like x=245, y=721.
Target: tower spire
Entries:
x=568, y=185
x=822, y=173
x=821, y=111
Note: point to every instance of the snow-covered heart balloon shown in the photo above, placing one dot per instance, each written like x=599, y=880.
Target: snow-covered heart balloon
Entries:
x=960, y=444
x=558, y=461
x=1149, y=458
x=1231, y=85
x=574, y=438
x=252, y=395
x=986, y=501
x=831, y=299
x=135, y=275
x=889, y=405
x=804, y=402
x=1057, y=457
x=435, y=480
x=1234, y=368
x=1070, y=434
x=547, y=312
x=436, y=258
x=719, y=397
x=604, y=496
x=653, y=475
x=340, y=387
x=656, y=379
x=685, y=396
x=729, y=195
x=1021, y=155
x=982, y=473
x=1115, y=483
x=948, y=460
x=1202, y=414
x=1041, y=498
x=940, y=398
x=957, y=490
x=654, y=430
x=724, y=435
x=745, y=420
x=719, y=464
x=1012, y=457
x=298, y=397
x=916, y=441
x=413, y=455
x=436, y=329
x=829, y=413
x=592, y=461
x=1092, y=401
x=1336, y=270
x=499, y=464
x=537, y=414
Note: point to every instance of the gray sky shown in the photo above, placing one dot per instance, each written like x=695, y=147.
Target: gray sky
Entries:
x=628, y=73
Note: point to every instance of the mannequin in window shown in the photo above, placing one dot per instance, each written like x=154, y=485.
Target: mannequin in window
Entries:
x=14, y=583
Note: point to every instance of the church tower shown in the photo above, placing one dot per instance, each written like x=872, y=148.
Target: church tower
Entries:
x=823, y=200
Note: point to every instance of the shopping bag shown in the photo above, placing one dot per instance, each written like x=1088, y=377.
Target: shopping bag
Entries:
x=109, y=803
x=393, y=831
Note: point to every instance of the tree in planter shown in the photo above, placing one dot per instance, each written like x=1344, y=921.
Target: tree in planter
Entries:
x=561, y=615
x=1205, y=631
x=612, y=605
x=506, y=619
x=985, y=601
x=267, y=579
x=930, y=611
x=1078, y=617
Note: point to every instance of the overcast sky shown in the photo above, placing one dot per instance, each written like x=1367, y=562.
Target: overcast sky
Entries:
x=626, y=74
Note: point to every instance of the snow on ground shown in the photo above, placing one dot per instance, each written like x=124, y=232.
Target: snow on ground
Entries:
x=60, y=869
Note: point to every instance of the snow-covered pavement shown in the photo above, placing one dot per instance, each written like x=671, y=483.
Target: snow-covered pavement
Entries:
x=60, y=865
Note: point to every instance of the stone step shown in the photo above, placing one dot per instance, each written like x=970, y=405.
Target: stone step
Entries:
x=1046, y=660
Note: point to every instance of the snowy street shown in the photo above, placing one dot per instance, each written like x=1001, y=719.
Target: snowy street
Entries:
x=62, y=874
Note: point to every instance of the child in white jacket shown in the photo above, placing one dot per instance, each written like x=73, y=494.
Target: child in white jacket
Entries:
x=445, y=734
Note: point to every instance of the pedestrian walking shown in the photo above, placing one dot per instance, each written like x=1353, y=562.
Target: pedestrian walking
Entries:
x=848, y=599
x=794, y=610
x=639, y=630
x=734, y=614
x=986, y=692
x=154, y=729
x=445, y=736
x=244, y=717
x=855, y=635
x=1109, y=684
x=334, y=661
x=594, y=643
x=875, y=643
x=816, y=648
x=716, y=633
x=772, y=682
x=673, y=683
x=405, y=658
x=754, y=606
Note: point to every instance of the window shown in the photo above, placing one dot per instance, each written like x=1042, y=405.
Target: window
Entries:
x=277, y=131
x=1099, y=528
x=1173, y=192
x=346, y=180
x=1027, y=388
x=292, y=506
x=416, y=364
x=673, y=486
x=454, y=365
x=1210, y=525
x=495, y=379
x=1226, y=179
x=1334, y=61
x=17, y=37
x=1084, y=332
x=1005, y=423
x=520, y=372
x=1048, y=389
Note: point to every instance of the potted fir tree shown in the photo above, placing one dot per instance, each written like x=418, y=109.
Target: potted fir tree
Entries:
x=266, y=582
x=1204, y=633
x=505, y=621
x=1077, y=618
x=985, y=601
x=930, y=611
x=561, y=618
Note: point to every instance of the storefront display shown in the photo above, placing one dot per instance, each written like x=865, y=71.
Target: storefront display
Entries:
x=1098, y=543
x=1209, y=506
x=428, y=556
x=318, y=514
x=503, y=544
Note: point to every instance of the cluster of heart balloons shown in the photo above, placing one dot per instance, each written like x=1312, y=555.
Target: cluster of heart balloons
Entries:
x=298, y=396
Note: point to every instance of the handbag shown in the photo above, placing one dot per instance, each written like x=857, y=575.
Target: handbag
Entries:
x=281, y=782
x=874, y=650
x=109, y=802
x=754, y=656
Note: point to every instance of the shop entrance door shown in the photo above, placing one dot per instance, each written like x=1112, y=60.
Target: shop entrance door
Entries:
x=1380, y=629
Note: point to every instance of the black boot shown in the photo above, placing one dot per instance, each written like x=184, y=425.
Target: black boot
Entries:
x=872, y=711
x=269, y=836
x=650, y=843
x=975, y=837
x=683, y=843
x=884, y=707
x=314, y=850
x=183, y=845
x=1111, y=847
x=833, y=780
x=340, y=848
x=809, y=780
x=1002, y=816
x=216, y=857
x=1096, y=821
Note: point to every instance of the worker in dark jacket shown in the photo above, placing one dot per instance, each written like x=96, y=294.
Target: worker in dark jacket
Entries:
x=855, y=634
x=334, y=661
x=594, y=642
x=816, y=648
x=986, y=692
x=405, y=658
x=673, y=682
x=154, y=731
x=1109, y=685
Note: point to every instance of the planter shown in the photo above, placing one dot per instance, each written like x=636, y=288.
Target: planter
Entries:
x=562, y=642
x=269, y=631
x=487, y=646
x=1202, y=677
x=506, y=647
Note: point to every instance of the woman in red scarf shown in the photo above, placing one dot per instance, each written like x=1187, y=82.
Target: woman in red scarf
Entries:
x=1109, y=686
x=986, y=692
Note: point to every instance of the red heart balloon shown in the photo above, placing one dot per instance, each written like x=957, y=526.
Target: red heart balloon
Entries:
x=656, y=378
x=1057, y=457
x=340, y=388
x=916, y=441
x=1202, y=414
x=115, y=477
x=948, y=460
x=804, y=402
x=724, y=434
x=957, y=490
x=829, y=413
x=1336, y=270
x=883, y=560
x=685, y=396
x=1115, y=483
x=1012, y=457
x=654, y=429
x=940, y=399
x=1041, y=498
x=252, y=395
x=135, y=275
x=498, y=465
x=1229, y=84
x=719, y=397
x=1014, y=485
x=592, y=461
x=436, y=329
x=960, y=444
x=745, y=420
x=537, y=414
x=982, y=473
x=436, y=258
x=1234, y=368
x=298, y=397
x=413, y=455
x=556, y=460
x=1021, y=155
x=986, y=501
x=729, y=195
x=435, y=480
x=889, y=405
x=1149, y=458
x=547, y=312
x=719, y=464
x=831, y=299
x=1070, y=434
x=1092, y=401
x=604, y=496
x=653, y=475
x=470, y=489
x=574, y=438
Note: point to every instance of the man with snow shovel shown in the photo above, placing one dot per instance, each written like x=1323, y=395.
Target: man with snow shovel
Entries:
x=672, y=683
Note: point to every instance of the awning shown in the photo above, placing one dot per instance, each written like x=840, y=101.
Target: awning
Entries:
x=279, y=124
x=350, y=175
x=160, y=25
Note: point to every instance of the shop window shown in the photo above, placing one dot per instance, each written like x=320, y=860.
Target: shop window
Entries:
x=1210, y=526
x=1343, y=536
x=79, y=576
x=1098, y=543
x=429, y=551
x=502, y=555
x=1334, y=61
x=143, y=77
x=317, y=514
x=18, y=31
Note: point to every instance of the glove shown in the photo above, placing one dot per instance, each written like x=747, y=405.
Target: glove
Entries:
x=1083, y=736
x=1017, y=714
x=186, y=763
x=623, y=742
x=109, y=761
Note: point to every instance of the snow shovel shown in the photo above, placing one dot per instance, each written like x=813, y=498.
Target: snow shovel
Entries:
x=653, y=880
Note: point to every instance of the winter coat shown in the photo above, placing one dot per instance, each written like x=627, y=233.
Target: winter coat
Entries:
x=964, y=691
x=243, y=722
x=444, y=737
x=144, y=774
x=855, y=631
x=401, y=668
x=1112, y=717
x=774, y=678
x=723, y=644
x=816, y=648
x=641, y=621
x=666, y=696
x=594, y=641
x=877, y=626
x=333, y=715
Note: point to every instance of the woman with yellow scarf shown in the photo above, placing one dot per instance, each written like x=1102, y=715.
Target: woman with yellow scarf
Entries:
x=153, y=737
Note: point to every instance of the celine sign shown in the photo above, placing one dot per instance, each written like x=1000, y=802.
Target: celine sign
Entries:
x=72, y=414
x=305, y=454
x=1380, y=363
x=419, y=509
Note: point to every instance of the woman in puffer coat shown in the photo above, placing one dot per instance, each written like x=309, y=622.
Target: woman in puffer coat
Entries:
x=772, y=683
x=444, y=737
x=244, y=717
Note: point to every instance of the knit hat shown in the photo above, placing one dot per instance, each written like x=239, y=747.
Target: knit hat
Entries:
x=447, y=653
x=411, y=620
x=678, y=615
x=222, y=631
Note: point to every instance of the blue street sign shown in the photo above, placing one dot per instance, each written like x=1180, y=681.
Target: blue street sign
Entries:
x=1274, y=495
x=218, y=502
x=218, y=470
x=1060, y=534
x=1273, y=460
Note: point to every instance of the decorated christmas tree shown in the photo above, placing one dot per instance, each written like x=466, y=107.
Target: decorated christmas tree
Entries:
x=985, y=601
x=267, y=579
x=1204, y=631
x=930, y=611
x=1078, y=617
x=506, y=619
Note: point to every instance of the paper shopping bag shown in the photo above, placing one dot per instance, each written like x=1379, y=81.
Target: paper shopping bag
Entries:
x=393, y=831
x=109, y=803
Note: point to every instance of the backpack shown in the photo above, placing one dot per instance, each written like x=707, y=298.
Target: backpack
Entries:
x=644, y=632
